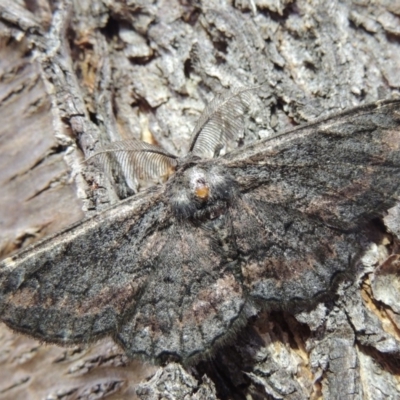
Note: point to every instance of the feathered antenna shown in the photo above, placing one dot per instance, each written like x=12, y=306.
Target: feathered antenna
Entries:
x=139, y=161
x=222, y=121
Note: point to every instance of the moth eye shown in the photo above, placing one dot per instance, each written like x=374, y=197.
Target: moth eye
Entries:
x=201, y=190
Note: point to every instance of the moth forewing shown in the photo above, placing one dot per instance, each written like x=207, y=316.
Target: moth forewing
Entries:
x=343, y=169
x=80, y=277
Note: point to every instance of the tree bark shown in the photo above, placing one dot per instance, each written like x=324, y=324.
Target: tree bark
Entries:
x=75, y=75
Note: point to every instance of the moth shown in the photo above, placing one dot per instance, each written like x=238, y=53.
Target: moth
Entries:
x=173, y=271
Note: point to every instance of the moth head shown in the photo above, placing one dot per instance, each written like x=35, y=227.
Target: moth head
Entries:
x=197, y=190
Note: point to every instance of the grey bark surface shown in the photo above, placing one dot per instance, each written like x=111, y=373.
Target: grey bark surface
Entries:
x=76, y=75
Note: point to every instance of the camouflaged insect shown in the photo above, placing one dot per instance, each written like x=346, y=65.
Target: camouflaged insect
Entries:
x=172, y=271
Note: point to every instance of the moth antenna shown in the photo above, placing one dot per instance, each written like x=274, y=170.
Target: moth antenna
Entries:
x=139, y=161
x=221, y=121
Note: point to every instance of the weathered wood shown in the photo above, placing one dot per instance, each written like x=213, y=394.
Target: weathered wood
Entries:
x=77, y=74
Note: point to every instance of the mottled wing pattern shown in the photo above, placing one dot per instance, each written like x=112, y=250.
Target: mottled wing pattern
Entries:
x=288, y=257
x=191, y=301
x=162, y=288
x=342, y=170
x=75, y=286
x=306, y=197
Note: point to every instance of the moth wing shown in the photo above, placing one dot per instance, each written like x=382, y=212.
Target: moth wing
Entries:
x=289, y=259
x=74, y=287
x=191, y=301
x=306, y=197
x=161, y=288
x=342, y=170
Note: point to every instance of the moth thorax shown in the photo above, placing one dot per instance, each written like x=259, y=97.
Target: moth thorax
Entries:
x=195, y=190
